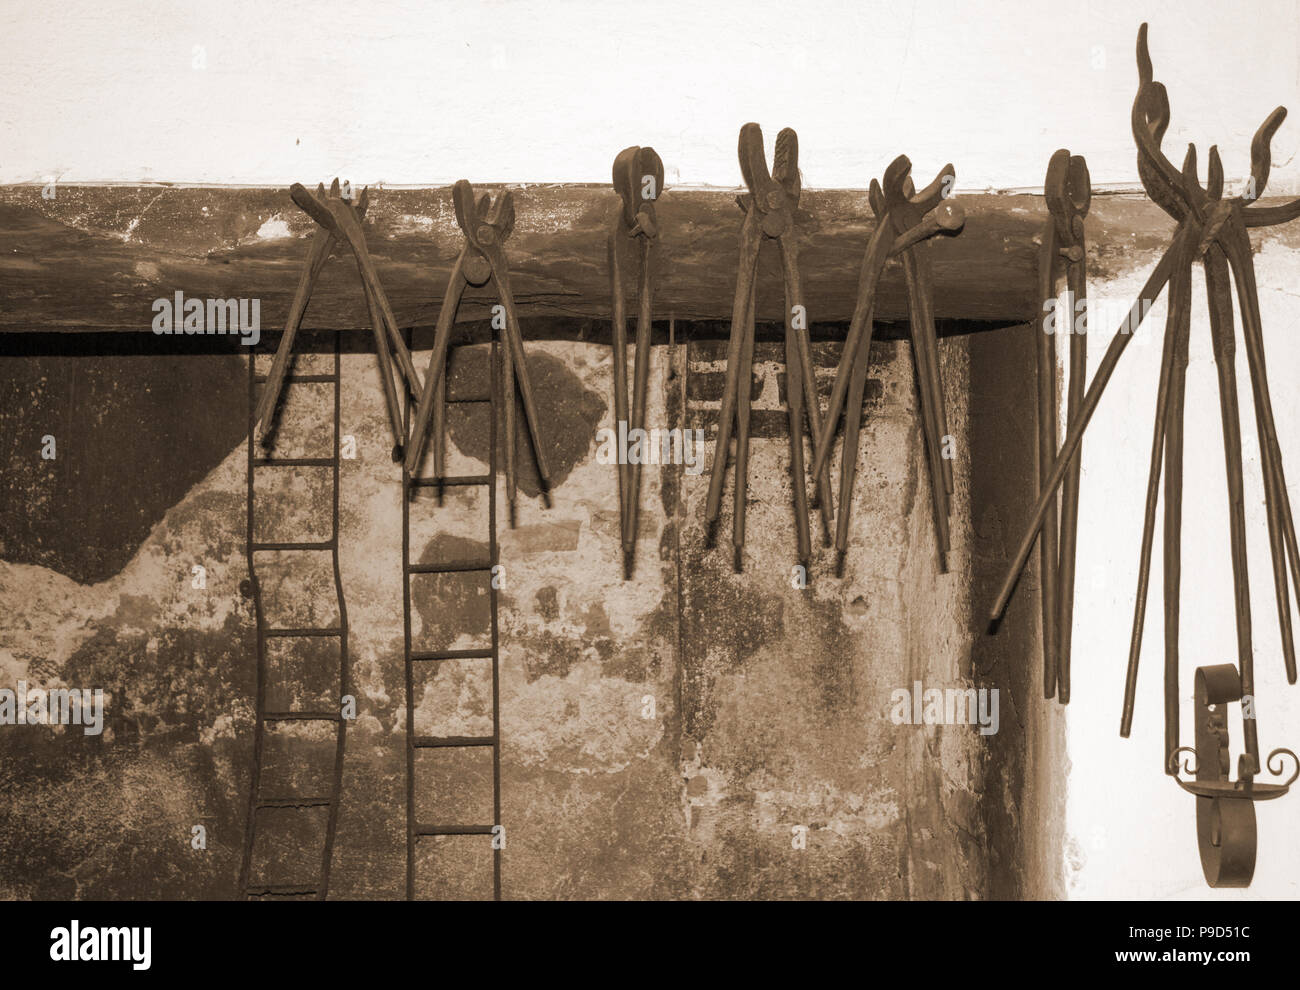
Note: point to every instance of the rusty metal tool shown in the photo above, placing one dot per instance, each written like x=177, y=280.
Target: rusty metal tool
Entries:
x=1068, y=193
x=323, y=244
x=486, y=223
x=638, y=176
x=1211, y=229
x=769, y=208
x=339, y=216
x=905, y=220
x=326, y=209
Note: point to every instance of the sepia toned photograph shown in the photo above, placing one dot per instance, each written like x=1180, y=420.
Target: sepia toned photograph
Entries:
x=571, y=451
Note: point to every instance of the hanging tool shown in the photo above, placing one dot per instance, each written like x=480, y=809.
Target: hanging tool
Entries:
x=769, y=209
x=340, y=220
x=639, y=179
x=486, y=224
x=1068, y=193
x=1213, y=230
x=905, y=220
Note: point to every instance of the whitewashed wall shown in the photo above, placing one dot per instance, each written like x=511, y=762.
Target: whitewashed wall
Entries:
x=412, y=93
x=408, y=92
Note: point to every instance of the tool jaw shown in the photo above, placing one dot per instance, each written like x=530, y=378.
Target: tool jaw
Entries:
x=327, y=208
x=1068, y=193
x=773, y=196
x=486, y=224
x=895, y=197
x=1176, y=191
x=638, y=177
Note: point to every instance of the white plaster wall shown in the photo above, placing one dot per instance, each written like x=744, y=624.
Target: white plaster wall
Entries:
x=1132, y=831
x=406, y=92
x=538, y=90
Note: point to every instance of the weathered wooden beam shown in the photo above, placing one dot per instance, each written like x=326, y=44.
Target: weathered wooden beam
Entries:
x=96, y=257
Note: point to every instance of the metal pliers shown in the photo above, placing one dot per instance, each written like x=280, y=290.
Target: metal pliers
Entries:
x=904, y=220
x=769, y=208
x=639, y=179
x=340, y=221
x=1068, y=193
x=486, y=224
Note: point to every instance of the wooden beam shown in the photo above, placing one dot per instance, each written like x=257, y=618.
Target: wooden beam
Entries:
x=95, y=257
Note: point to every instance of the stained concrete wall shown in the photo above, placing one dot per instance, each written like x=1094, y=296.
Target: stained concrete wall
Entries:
x=770, y=703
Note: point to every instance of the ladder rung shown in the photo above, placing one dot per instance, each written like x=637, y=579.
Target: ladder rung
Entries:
x=293, y=462
x=453, y=830
x=301, y=717
x=467, y=565
x=299, y=633
x=454, y=481
x=452, y=742
x=261, y=379
x=281, y=888
x=295, y=802
x=470, y=401
x=326, y=545
x=482, y=654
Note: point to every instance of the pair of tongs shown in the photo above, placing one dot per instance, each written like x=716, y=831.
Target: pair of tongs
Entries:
x=905, y=220
x=770, y=208
x=639, y=179
x=339, y=220
x=486, y=224
x=1068, y=193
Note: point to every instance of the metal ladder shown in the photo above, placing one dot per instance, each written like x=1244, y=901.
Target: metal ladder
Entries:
x=414, y=828
x=317, y=886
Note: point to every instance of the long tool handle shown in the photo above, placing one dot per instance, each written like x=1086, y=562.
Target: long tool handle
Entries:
x=925, y=296
x=746, y=271
x=1074, y=430
x=357, y=241
x=385, y=368
x=873, y=263
x=852, y=429
x=810, y=403
x=1149, y=523
x=1180, y=319
x=1047, y=537
x=794, y=400
x=618, y=322
x=516, y=338
x=1282, y=539
x=437, y=362
x=1218, y=289
x=921, y=356
x=641, y=377
x=1077, y=283
x=740, y=488
x=321, y=246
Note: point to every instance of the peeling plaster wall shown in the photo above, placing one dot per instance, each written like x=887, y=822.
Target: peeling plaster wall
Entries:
x=770, y=704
